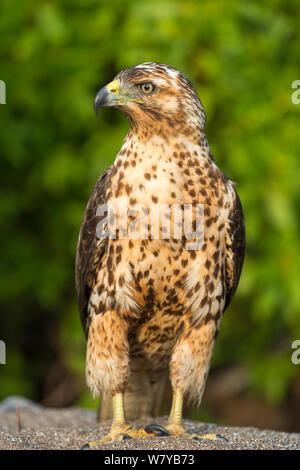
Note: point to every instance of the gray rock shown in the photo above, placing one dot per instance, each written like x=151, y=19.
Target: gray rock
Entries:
x=73, y=428
x=9, y=403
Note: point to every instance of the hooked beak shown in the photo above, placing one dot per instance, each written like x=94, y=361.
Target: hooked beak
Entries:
x=107, y=96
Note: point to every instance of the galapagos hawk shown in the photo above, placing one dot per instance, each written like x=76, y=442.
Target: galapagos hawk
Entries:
x=152, y=306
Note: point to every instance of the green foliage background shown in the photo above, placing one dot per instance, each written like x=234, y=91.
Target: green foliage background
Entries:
x=242, y=57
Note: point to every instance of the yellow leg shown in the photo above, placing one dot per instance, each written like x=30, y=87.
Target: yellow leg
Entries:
x=118, y=411
x=174, y=425
x=120, y=429
x=176, y=410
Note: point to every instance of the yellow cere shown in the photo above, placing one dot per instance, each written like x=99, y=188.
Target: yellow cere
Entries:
x=113, y=87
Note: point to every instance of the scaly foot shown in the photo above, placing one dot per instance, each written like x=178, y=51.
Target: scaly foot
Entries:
x=119, y=433
x=177, y=430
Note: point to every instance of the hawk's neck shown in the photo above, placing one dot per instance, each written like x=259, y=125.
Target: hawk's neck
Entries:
x=137, y=151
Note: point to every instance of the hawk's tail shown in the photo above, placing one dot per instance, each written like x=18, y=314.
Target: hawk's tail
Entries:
x=142, y=398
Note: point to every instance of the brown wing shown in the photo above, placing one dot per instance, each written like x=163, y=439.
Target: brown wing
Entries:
x=235, y=249
x=89, y=248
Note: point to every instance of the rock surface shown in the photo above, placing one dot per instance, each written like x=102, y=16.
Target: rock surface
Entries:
x=35, y=427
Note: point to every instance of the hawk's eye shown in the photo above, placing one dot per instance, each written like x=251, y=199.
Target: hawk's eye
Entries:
x=147, y=87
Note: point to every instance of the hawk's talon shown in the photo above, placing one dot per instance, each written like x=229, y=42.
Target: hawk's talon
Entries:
x=85, y=446
x=156, y=427
x=126, y=437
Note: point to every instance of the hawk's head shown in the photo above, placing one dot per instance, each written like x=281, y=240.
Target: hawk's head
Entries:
x=154, y=97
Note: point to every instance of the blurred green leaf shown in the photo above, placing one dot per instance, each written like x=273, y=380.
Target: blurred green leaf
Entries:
x=242, y=58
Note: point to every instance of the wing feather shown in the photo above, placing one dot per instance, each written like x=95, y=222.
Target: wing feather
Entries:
x=235, y=249
x=89, y=248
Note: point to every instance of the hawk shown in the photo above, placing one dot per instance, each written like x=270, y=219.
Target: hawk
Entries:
x=152, y=306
